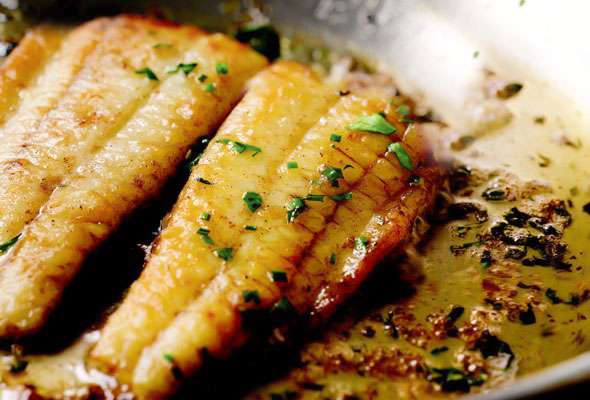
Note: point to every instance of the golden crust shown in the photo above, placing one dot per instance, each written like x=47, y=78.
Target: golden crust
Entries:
x=208, y=310
x=108, y=143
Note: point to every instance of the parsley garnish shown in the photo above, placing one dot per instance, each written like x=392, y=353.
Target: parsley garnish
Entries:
x=292, y=165
x=278, y=276
x=225, y=253
x=335, y=138
x=186, y=68
x=373, y=123
x=148, y=73
x=202, y=78
x=221, y=68
x=333, y=258
x=315, y=197
x=360, y=243
x=240, y=147
x=333, y=174
x=253, y=200
x=342, y=196
x=251, y=296
x=204, y=232
x=250, y=227
x=210, y=87
x=162, y=46
x=169, y=358
x=8, y=244
x=205, y=216
x=283, y=306
x=402, y=156
x=295, y=207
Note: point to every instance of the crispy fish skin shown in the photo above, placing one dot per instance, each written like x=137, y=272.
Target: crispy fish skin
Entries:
x=129, y=168
x=182, y=263
x=383, y=209
x=84, y=93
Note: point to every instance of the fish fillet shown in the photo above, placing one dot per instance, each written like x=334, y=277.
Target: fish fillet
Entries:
x=106, y=139
x=204, y=273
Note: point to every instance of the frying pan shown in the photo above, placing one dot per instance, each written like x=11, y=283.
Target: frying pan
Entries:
x=428, y=47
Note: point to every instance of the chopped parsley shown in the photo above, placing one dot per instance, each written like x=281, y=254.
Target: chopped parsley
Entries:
x=360, y=243
x=222, y=68
x=8, y=244
x=315, y=197
x=253, y=200
x=292, y=165
x=186, y=68
x=283, y=306
x=210, y=87
x=148, y=73
x=454, y=380
x=335, y=138
x=202, y=78
x=403, y=110
x=251, y=296
x=240, y=147
x=250, y=227
x=225, y=253
x=169, y=358
x=527, y=317
x=176, y=372
x=295, y=207
x=333, y=258
x=375, y=123
x=491, y=346
x=205, y=216
x=342, y=196
x=333, y=174
x=162, y=46
x=278, y=276
x=402, y=156
x=204, y=233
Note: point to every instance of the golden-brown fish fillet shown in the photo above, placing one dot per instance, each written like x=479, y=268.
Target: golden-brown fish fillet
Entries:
x=203, y=273
x=104, y=139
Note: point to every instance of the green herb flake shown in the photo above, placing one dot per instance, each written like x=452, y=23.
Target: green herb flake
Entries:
x=225, y=253
x=4, y=247
x=403, y=110
x=169, y=358
x=283, y=306
x=240, y=147
x=342, y=196
x=402, y=156
x=209, y=88
x=375, y=123
x=295, y=207
x=438, y=350
x=205, y=216
x=335, y=138
x=315, y=197
x=251, y=296
x=333, y=258
x=333, y=174
x=278, y=276
x=148, y=73
x=222, y=68
x=292, y=165
x=162, y=46
x=204, y=233
x=186, y=68
x=360, y=243
x=202, y=78
x=250, y=227
x=253, y=200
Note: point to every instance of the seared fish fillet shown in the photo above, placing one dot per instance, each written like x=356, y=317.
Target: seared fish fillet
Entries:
x=108, y=119
x=269, y=220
